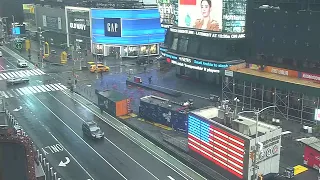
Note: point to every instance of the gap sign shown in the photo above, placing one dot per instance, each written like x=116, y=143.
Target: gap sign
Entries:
x=112, y=27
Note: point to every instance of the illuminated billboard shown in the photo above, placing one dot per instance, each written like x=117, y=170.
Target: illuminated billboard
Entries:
x=126, y=27
x=216, y=145
x=168, y=12
x=219, y=16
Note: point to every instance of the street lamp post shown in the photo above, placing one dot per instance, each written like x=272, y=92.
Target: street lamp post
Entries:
x=41, y=53
x=235, y=111
x=256, y=137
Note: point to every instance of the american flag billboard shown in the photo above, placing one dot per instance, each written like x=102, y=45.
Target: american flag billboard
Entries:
x=217, y=145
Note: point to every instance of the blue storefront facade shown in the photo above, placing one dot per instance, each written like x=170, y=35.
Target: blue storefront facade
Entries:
x=126, y=32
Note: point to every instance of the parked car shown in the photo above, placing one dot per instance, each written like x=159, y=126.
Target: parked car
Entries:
x=22, y=63
x=13, y=81
x=92, y=130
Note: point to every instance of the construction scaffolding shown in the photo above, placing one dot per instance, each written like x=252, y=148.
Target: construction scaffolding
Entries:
x=291, y=105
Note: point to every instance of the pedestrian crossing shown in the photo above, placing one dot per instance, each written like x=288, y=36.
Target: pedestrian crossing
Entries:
x=32, y=90
x=21, y=74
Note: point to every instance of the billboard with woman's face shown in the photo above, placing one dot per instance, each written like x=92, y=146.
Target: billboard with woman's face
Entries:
x=226, y=16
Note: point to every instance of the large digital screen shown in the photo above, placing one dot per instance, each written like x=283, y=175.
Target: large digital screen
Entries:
x=78, y=21
x=127, y=27
x=221, y=16
x=216, y=145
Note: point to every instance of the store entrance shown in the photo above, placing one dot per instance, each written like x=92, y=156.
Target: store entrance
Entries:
x=114, y=51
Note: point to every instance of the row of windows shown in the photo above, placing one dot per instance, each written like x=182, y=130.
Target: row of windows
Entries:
x=203, y=47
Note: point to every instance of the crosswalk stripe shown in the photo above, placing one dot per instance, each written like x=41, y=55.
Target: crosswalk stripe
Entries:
x=9, y=94
x=4, y=94
x=49, y=87
x=25, y=90
x=35, y=87
x=57, y=86
x=44, y=87
x=16, y=94
x=19, y=92
x=20, y=74
x=63, y=86
x=41, y=88
x=3, y=76
x=40, y=71
x=31, y=89
x=53, y=85
x=33, y=72
x=14, y=74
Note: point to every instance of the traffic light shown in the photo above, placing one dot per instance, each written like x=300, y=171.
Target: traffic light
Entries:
x=64, y=57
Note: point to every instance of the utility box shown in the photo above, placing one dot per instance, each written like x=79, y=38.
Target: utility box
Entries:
x=114, y=102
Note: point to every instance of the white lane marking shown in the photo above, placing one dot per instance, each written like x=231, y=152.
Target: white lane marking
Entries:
x=4, y=94
x=4, y=77
x=49, y=87
x=31, y=89
x=15, y=74
x=133, y=139
x=171, y=178
x=44, y=87
x=40, y=72
x=60, y=87
x=14, y=92
x=71, y=156
x=53, y=87
x=107, y=139
x=81, y=139
x=25, y=90
x=32, y=72
x=21, y=93
x=10, y=74
x=41, y=88
x=38, y=90
x=9, y=94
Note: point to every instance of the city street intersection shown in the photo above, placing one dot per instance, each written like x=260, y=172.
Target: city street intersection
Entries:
x=53, y=116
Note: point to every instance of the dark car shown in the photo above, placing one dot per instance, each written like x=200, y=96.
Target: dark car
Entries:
x=92, y=130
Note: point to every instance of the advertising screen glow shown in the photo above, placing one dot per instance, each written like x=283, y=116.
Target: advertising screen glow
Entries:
x=217, y=145
x=224, y=17
x=168, y=12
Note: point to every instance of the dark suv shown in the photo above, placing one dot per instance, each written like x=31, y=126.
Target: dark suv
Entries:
x=92, y=130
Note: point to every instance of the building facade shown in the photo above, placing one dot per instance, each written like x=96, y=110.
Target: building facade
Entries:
x=126, y=32
x=78, y=25
x=211, y=38
x=52, y=24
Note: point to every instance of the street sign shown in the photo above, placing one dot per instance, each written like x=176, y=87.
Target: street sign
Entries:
x=18, y=45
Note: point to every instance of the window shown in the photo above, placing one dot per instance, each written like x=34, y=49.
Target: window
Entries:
x=205, y=46
x=183, y=44
x=168, y=39
x=193, y=45
x=175, y=42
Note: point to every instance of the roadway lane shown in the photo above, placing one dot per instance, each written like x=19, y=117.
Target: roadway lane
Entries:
x=127, y=157
x=30, y=118
x=96, y=166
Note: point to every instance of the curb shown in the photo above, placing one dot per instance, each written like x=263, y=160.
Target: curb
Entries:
x=164, y=147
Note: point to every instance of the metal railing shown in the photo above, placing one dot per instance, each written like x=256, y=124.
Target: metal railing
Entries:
x=181, y=144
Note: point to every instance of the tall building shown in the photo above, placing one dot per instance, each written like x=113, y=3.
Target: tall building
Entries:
x=283, y=64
